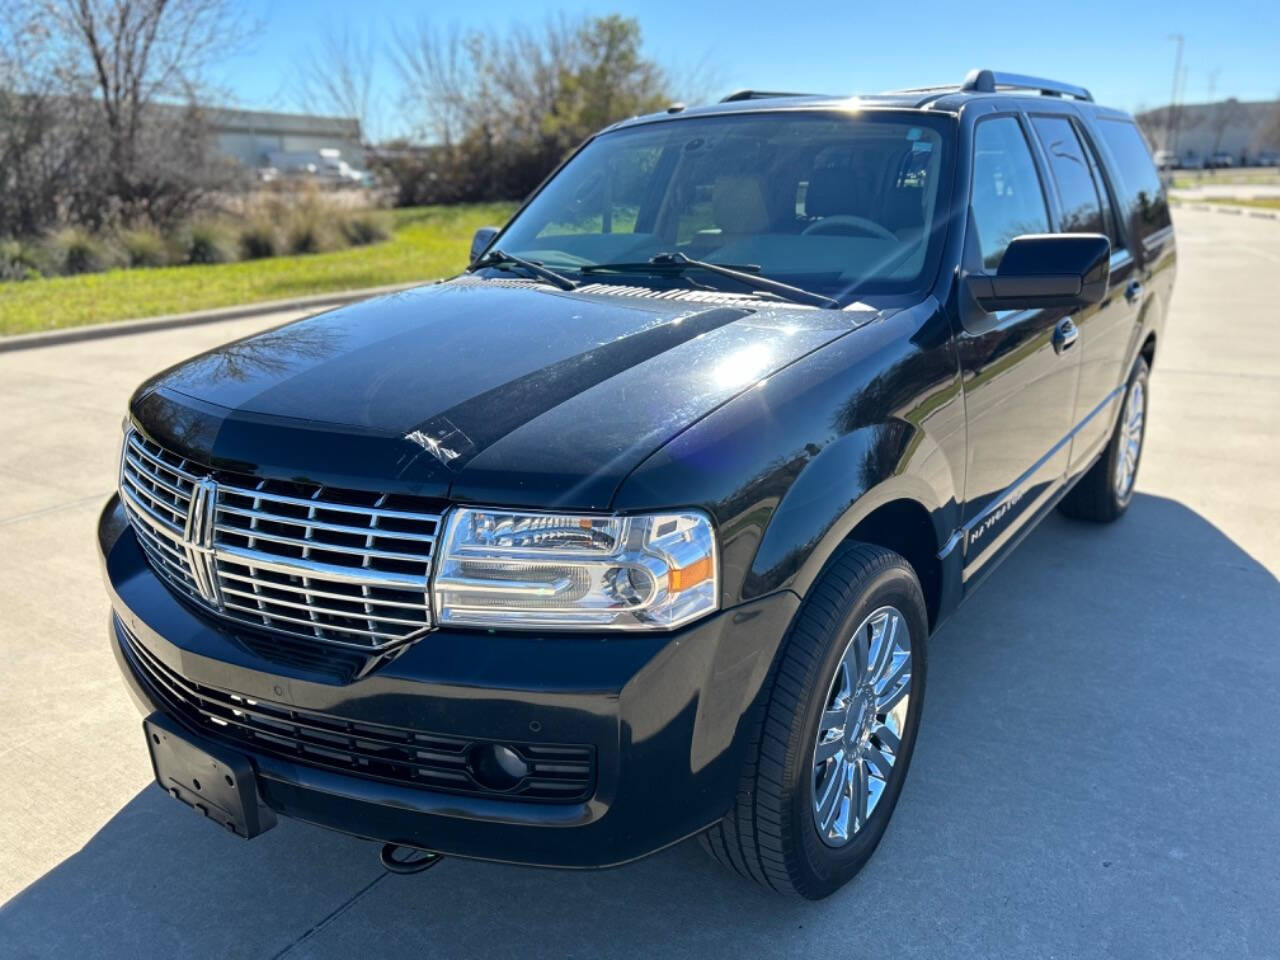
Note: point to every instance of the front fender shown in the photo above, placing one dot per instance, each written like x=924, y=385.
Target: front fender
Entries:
x=843, y=485
x=789, y=467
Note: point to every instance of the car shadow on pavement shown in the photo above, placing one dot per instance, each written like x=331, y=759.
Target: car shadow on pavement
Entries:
x=1092, y=713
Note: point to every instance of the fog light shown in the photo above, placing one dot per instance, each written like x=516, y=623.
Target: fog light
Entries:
x=496, y=767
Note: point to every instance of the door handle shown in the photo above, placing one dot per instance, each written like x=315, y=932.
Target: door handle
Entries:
x=1065, y=334
x=1133, y=291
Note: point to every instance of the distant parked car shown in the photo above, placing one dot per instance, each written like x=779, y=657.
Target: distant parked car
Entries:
x=1222, y=159
x=1191, y=161
x=1166, y=160
x=325, y=164
x=1268, y=158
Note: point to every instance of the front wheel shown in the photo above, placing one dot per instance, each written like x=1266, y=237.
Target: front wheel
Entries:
x=833, y=740
x=1104, y=493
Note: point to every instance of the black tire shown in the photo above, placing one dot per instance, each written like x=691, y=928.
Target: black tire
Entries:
x=770, y=835
x=1095, y=497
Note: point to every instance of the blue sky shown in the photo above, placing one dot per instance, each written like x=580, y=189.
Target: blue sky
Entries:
x=1118, y=48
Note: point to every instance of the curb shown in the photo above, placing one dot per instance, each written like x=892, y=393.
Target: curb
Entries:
x=124, y=328
x=1229, y=210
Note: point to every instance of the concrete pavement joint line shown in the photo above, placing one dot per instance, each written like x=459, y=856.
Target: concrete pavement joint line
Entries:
x=93, y=498
x=332, y=916
x=1233, y=211
x=1237, y=211
x=1263, y=254
x=122, y=328
x=1232, y=374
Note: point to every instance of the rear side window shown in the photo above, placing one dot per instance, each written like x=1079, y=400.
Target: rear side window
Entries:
x=1081, y=207
x=1100, y=181
x=1140, y=196
x=1007, y=200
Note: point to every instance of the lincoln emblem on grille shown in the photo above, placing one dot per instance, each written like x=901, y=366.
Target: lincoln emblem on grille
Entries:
x=198, y=540
x=336, y=566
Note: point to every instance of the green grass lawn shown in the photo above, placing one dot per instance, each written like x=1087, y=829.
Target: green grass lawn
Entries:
x=429, y=242
x=1249, y=176
x=1266, y=203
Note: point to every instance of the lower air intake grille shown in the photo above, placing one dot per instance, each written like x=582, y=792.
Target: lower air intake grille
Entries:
x=557, y=773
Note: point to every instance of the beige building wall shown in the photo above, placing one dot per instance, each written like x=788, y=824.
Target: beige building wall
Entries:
x=1242, y=128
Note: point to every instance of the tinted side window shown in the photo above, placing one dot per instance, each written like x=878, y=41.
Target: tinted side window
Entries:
x=1007, y=200
x=1140, y=195
x=1100, y=181
x=1081, y=210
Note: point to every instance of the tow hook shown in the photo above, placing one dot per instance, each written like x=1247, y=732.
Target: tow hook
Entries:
x=400, y=858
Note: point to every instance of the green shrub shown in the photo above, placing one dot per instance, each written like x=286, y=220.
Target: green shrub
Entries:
x=259, y=238
x=18, y=261
x=144, y=248
x=208, y=242
x=75, y=250
x=312, y=233
x=313, y=224
x=366, y=226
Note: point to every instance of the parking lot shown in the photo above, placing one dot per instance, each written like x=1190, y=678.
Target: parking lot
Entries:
x=1098, y=773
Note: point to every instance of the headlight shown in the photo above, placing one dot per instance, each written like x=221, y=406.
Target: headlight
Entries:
x=515, y=569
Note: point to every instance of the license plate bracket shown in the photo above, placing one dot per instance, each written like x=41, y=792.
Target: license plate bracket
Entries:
x=216, y=782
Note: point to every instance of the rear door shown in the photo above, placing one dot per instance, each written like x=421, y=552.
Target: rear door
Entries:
x=1106, y=329
x=1019, y=373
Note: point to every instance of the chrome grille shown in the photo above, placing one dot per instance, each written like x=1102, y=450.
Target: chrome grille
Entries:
x=338, y=566
x=344, y=569
x=156, y=488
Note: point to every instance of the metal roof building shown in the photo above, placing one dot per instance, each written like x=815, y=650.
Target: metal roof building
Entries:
x=1240, y=128
x=251, y=136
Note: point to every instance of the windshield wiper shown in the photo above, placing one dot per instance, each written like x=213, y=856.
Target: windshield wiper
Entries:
x=501, y=259
x=679, y=263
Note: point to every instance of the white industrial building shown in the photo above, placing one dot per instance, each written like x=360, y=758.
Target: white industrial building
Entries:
x=257, y=139
x=1243, y=129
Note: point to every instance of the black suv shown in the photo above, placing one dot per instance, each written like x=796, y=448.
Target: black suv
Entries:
x=638, y=529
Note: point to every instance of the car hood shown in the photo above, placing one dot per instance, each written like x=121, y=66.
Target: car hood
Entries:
x=477, y=390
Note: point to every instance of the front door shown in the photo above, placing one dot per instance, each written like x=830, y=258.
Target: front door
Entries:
x=1020, y=367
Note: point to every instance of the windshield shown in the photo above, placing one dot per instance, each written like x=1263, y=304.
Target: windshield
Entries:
x=841, y=204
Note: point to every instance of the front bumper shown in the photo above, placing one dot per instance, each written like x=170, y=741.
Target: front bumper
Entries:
x=667, y=716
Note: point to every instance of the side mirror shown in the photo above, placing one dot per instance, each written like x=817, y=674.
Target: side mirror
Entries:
x=1041, y=270
x=480, y=242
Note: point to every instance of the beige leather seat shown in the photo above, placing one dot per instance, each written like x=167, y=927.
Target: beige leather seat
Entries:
x=737, y=203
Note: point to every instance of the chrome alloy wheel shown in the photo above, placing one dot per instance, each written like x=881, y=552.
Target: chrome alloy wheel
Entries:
x=1130, y=440
x=863, y=719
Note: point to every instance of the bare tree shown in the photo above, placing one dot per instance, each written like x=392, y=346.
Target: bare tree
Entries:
x=1224, y=115
x=139, y=57
x=336, y=77
x=501, y=109
x=698, y=81
x=441, y=78
x=1267, y=136
x=47, y=127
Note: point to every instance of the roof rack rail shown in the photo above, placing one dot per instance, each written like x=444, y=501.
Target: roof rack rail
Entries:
x=759, y=95
x=988, y=81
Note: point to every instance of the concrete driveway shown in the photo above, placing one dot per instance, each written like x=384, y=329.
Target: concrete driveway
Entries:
x=1098, y=773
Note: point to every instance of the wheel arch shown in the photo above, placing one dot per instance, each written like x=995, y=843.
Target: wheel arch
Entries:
x=1150, y=328
x=894, y=501
x=1148, y=349
x=904, y=526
